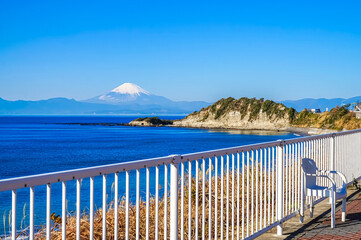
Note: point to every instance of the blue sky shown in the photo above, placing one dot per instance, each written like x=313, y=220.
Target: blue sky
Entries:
x=184, y=50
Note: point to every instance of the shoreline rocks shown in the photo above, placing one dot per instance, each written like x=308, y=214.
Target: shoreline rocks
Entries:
x=150, y=122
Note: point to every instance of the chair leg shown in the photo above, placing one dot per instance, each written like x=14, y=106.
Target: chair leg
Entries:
x=302, y=208
x=343, y=218
x=332, y=209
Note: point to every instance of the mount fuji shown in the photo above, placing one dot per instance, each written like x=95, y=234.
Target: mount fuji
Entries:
x=129, y=93
x=128, y=98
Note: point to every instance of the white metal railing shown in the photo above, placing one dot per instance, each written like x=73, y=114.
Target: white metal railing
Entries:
x=234, y=193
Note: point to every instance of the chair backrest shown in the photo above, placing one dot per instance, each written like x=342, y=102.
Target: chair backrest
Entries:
x=309, y=166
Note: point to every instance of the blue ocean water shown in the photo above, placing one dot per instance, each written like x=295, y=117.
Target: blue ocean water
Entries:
x=39, y=144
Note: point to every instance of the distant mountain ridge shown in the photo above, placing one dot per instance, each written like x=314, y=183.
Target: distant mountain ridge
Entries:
x=128, y=98
x=320, y=103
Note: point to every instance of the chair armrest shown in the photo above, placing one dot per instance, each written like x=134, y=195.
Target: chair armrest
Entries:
x=343, y=177
x=324, y=176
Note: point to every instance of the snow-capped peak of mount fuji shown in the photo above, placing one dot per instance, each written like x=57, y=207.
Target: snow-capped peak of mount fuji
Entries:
x=127, y=92
x=130, y=88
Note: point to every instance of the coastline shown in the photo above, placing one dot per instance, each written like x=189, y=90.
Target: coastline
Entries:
x=294, y=130
x=303, y=131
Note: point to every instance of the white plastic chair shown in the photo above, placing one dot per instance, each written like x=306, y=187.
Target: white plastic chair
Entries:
x=310, y=188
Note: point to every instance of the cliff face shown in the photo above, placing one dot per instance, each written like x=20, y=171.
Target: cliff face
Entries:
x=244, y=113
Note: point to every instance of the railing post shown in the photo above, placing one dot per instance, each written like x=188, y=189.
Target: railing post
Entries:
x=332, y=152
x=332, y=159
x=279, y=183
x=174, y=199
x=13, y=215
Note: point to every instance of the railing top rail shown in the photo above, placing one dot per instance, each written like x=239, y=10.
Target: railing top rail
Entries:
x=67, y=175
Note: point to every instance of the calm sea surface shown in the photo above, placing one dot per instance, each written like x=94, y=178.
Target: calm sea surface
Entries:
x=41, y=144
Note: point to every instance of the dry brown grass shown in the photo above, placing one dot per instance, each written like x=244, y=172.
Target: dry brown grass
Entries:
x=71, y=220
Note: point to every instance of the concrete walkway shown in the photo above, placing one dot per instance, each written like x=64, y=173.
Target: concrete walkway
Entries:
x=319, y=226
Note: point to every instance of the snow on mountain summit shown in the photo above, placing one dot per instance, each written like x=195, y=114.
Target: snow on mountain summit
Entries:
x=130, y=88
x=127, y=92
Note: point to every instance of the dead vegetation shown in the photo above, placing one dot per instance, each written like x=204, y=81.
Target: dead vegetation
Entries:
x=208, y=200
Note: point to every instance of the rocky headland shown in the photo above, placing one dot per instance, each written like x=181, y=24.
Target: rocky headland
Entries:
x=150, y=122
x=260, y=114
x=248, y=114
